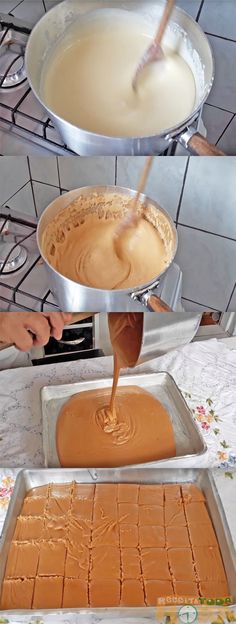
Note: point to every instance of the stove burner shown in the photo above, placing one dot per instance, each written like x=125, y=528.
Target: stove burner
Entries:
x=15, y=258
x=12, y=69
x=12, y=65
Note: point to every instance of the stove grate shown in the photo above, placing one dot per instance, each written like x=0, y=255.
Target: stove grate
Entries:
x=15, y=290
x=30, y=126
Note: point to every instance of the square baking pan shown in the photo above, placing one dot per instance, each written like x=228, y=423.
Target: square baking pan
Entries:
x=190, y=445
x=28, y=479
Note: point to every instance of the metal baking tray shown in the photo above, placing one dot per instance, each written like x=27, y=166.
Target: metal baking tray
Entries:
x=28, y=479
x=190, y=445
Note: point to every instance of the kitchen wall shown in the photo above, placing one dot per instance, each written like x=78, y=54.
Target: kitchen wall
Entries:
x=199, y=193
x=218, y=20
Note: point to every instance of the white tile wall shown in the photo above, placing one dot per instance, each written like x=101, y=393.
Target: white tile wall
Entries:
x=209, y=198
x=164, y=183
x=13, y=175
x=44, y=194
x=218, y=19
x=223, y=93
x=23, y=201
x=190, y=6
x=44, y=170
x=198, y=192
x=208, y=263
x=75, y=172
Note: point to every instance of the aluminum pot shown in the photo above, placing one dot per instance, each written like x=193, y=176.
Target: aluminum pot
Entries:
x=182, y=30
x=161, y=333
x=74, y=297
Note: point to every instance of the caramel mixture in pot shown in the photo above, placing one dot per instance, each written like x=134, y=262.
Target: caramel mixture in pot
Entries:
x=81, y=244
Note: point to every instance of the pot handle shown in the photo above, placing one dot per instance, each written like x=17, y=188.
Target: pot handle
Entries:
x=195, y=143
x=155, y=304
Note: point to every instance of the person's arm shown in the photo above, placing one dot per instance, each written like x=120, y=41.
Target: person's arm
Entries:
x=31, y=329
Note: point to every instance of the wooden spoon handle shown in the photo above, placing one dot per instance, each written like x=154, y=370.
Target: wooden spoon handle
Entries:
x=164, y=21
x=131, y=218
x=142, y=182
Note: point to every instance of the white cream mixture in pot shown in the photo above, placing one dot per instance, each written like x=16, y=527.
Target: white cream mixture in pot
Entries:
x=88, y=81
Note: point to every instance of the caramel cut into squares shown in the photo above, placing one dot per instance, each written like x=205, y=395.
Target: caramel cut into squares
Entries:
x=75, y=594
x=157, y=589
x=151, y=536
x=17, y=592
x=34, y=506
x=58, y=506
x=214, y=589
x=28, y=528
x=197, y=512
x=128, y=513
x=105, y=562
x=130, y=563
x=192, y=493
x=129, y=536
x=185, y=589
x=104, y=510
x=151, y=495
x=172, y=492
x=82, y=508
x=55, y=528
x=155, y=564
x=78, y=531
x=128, y=493
x=209, y=565
x=151, y=515
x=22, y=560
x=39, y=491
x=61, y=490
x=48, y=593
x=52, y=559
x=177, y=537
x=107, y=491
x=132, y=594
x=174, y=514
x=105, y=533
x=84, y=491
x=181, y=564
x=104, y=593
x=202, y=535
x=77, y=561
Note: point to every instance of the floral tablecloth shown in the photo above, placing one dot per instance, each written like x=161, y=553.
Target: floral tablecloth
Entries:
x=204, y=371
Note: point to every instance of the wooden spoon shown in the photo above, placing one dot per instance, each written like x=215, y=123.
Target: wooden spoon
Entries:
x=132, y=218
x=154, y=52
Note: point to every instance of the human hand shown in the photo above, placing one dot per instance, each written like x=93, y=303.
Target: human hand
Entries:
x=31, y=329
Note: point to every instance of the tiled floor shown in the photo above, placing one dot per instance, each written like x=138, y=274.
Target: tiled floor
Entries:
x=199, y=193
x=218, y=19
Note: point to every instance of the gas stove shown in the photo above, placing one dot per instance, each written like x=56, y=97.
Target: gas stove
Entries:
x=20, y=112
x=21, y=115
x=23, y=275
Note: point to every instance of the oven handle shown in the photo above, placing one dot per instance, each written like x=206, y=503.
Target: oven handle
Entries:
x=72, y=343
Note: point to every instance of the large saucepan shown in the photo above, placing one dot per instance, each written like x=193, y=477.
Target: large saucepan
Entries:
x=190, y=41
x=74, y=297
